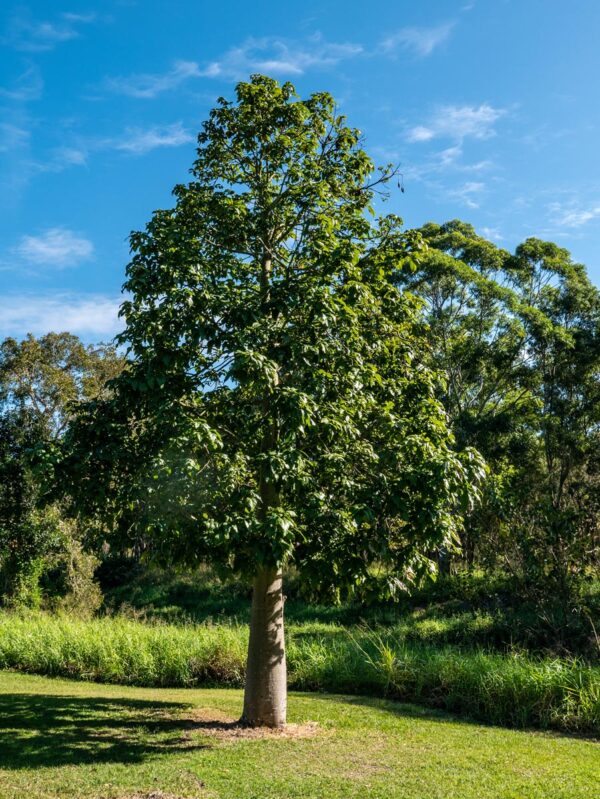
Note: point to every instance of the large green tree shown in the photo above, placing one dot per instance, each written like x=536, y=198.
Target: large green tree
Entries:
x=277, y=409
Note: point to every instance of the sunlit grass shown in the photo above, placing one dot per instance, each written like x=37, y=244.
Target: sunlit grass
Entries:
x=66, y=740
x=511, y=689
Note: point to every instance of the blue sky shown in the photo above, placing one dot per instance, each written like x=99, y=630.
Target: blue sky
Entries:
x=491, y=106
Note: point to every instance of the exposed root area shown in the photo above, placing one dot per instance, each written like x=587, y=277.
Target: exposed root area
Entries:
x=151, y=795
x=225, y=728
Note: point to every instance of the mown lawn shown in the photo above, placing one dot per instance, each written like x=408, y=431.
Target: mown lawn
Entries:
x=77, y=740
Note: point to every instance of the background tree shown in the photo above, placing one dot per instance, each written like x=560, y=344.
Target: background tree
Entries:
x=46, y=376
x=27, y=535
x=558, y=521
x=481, y=345
x=276, y=410
x=41, y=381
x=516, y=336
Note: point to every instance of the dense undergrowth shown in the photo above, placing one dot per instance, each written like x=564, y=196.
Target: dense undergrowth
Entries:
x=511, y=689
x=473, y=610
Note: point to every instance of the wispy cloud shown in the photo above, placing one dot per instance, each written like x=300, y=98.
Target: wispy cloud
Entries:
x=458, y=122
x=272, y=55
x=451, y=158
x=281, y=57
x=63, y=157
x=149, y=86
x=28, y=86
x=492, y=233
x=13, y=137
x=133, y=141
x=419, y=41
x=56, y=247
x=572, y=215
x=15, y=154
x=469, y=192
x=82, y=18
x=34, y=36
x=92, y=316
x=139, y=141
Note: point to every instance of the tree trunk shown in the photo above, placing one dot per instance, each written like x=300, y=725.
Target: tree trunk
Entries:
x=265, y=694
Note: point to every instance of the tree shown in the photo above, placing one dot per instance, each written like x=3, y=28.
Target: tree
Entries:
x=517, y=337
x=27, y=535
x=481, y=344
x=47, y=375
x=559, y=522
x=41, y=380
x=276, y=409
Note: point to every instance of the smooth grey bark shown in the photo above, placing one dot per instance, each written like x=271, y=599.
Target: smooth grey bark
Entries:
x=265, y=693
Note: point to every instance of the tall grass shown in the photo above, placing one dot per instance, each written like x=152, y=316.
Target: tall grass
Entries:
x=509, y=689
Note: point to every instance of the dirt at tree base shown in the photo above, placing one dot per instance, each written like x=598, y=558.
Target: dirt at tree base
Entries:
x=216, y=725
x=150, y=795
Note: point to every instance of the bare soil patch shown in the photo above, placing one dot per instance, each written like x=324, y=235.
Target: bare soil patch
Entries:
x=152, y=795
x=222, y=727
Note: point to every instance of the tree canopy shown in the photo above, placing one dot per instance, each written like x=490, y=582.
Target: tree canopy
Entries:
x=271, y=355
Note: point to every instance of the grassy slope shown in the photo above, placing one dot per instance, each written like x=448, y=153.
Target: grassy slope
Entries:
x=80, y=740
x=469, y=610
x=512, y=690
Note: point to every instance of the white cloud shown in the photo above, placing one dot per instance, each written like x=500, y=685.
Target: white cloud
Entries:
x=149, y=86
x=280, y=57
x=450, y=155
x=468, y=193
x=420, y=41
x=421, y=133
x=139, y=141
x=458, y=122
x=83, y=18
x=67, y=156
x=492, y=233
x=133, y=141
x=32, y=36
x=92, y=316
x=573, y=216
x=15, y=155
x=57, y=247
x=451, y=158
x=268, y=54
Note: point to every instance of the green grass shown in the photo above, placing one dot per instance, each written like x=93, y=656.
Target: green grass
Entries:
x=509, y=689
x=464, y=609
x=68, y=740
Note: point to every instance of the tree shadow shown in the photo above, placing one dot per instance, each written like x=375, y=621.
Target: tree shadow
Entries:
x=38, y=731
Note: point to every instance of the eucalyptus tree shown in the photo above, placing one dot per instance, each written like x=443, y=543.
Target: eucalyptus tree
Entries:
x=481, y=344
x=276, y=409
x=46, y=376
x=557, y=520
x=516, y=337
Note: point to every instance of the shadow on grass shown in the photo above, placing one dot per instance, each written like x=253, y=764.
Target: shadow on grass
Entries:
x=38, y=731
